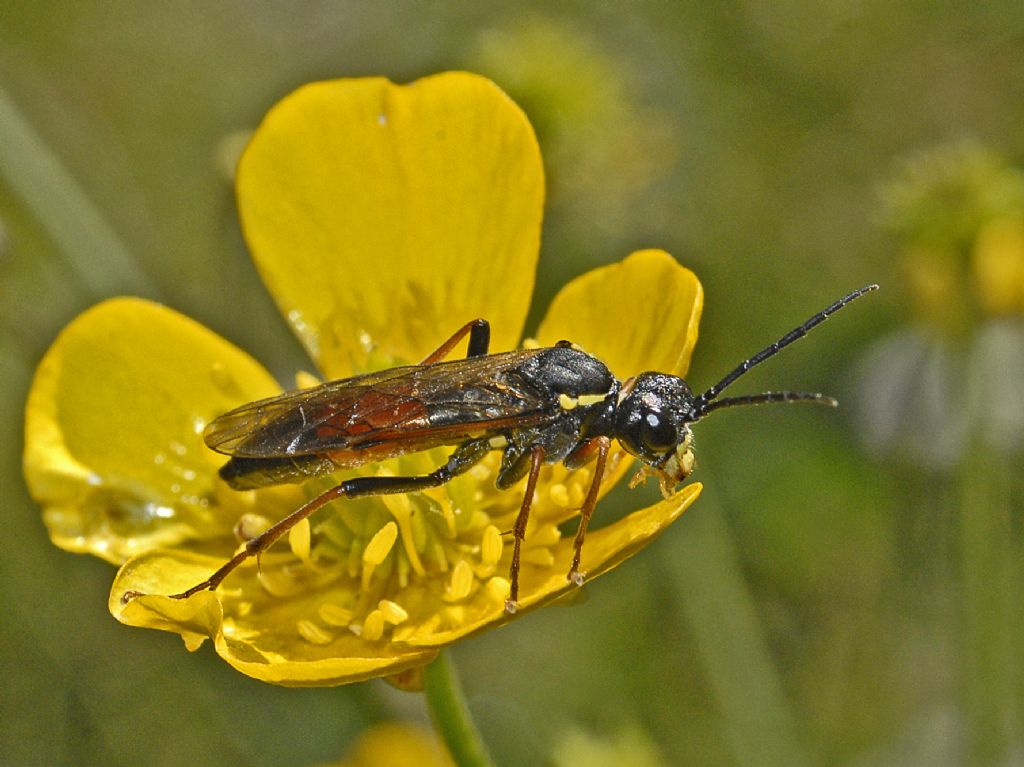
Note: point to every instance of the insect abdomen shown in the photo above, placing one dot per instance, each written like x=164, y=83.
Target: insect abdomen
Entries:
x=253, y=473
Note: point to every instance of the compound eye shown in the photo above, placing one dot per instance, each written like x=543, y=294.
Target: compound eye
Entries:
x=658, y=434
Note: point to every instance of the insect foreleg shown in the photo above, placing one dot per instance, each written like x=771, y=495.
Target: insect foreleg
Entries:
x=479, y=341
x=464, y=457
x=582, y=454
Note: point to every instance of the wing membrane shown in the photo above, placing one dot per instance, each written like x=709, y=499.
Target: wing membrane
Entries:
x=419, y=406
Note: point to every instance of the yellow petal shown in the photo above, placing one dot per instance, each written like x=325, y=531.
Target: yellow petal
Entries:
x=113, y=425
x=280, y=641
x=639, y=314
x=385, y=217
x=604, y=549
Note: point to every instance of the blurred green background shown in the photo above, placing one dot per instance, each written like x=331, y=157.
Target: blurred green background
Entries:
x=849, y=588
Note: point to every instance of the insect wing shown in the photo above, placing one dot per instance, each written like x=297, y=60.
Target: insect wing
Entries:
x=243, y=430
x=420, y=405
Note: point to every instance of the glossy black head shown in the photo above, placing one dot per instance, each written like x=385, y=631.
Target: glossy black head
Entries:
x=652, y=421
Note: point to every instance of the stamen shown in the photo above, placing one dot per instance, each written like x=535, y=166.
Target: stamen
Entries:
x=381, y=544
x=313, y=633
x=393, y=612
x=401, y=509
x=498, y=589
x=398, y=505
x=448, y=512
x=491, y=546
x=353, y=562
x=461, y=581
x=299, y=539
x=403, y=572
x=334, y=615
x=439, y=555
x=373, y=626
x=377, y=550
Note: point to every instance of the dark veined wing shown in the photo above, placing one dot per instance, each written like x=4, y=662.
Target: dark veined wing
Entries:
x=419, y=406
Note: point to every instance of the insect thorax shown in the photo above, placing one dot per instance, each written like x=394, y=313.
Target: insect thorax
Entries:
x=581, y=393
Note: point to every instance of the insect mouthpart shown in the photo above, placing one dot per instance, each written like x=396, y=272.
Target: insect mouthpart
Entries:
x=673, y=469
x=680, y=463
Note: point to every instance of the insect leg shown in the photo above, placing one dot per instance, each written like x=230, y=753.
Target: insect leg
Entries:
x=256, y=546
x=600, y=445
x=479, y=340
x=519, y=531
x=464, y=457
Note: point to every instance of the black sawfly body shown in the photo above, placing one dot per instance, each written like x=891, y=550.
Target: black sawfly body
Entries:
x=547, y=405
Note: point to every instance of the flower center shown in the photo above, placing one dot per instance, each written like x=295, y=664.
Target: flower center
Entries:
x=403, y=567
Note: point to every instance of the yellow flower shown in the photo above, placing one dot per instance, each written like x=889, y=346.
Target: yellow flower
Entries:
x=396, y=744
x=958, y=210
x=381, y=218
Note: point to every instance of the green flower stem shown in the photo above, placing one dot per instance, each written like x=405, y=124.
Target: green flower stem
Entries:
x=991, y=599
x=451, y=716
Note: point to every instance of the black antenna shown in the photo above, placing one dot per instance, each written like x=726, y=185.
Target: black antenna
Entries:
x=706, y=402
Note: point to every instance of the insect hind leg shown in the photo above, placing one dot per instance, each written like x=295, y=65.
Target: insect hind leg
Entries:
x=519, y=530
x=479, y=341
x=461, y=460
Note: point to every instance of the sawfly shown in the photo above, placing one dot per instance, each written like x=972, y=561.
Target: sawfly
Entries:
x=536, y=406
